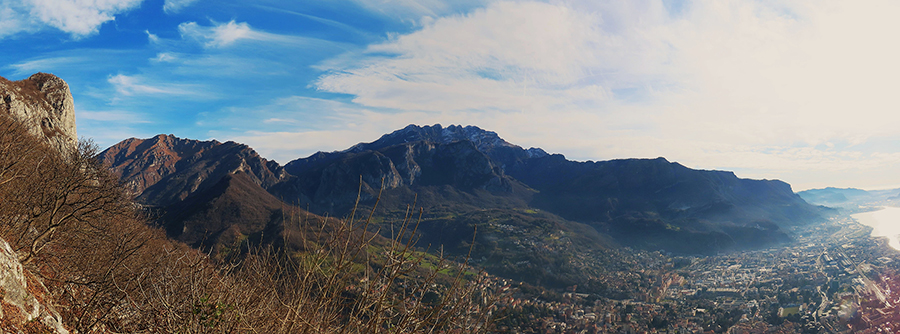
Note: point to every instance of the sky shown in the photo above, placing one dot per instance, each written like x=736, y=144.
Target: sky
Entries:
x=802, y=91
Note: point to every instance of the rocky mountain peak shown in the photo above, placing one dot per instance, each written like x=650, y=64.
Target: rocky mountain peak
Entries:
x=44, y=103
x=499, y=150
x=166, y=168
x=484, y=140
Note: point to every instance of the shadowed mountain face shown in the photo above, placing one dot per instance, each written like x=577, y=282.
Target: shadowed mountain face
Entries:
x=457, y=172
x=600, y=191
x=332, y=184
x=205, y=193
x=659, y=204
x=233, y=208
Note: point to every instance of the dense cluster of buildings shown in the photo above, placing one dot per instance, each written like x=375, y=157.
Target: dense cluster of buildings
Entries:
x=834, y=279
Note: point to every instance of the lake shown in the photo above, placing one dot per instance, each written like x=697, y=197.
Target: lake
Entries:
x=885, y=223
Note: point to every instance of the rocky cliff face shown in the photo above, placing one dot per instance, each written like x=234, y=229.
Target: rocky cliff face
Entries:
x=44, y=103
x=165, y=169
x=25, y=307
x=333, y=183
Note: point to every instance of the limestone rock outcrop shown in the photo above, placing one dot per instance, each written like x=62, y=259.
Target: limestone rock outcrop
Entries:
x=23, y=306
x=44, y=103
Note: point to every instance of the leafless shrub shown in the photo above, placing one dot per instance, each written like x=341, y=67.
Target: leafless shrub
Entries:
x=350, y=281
x=45, y=191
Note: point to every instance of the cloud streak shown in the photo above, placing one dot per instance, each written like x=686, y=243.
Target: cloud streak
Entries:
x=137, y=86
x=118, y=116
x=175, y=6
x=221, y=35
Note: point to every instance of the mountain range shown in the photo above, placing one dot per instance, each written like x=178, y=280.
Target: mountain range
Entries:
x=851, y=200
x=457, y=173
x=518, y=213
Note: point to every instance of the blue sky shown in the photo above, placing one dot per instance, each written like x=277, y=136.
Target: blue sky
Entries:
x=801, y=91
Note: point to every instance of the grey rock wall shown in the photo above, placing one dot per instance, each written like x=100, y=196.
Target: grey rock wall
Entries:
x=17, y=296
x=44, y=103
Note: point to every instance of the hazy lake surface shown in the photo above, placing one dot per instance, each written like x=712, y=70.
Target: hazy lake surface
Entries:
x=885, y=223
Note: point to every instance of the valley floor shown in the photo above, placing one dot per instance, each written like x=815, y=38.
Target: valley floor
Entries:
x=834, y=279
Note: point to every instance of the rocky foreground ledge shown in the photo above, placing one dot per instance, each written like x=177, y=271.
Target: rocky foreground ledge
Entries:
x=43, y=103
x=24, y=306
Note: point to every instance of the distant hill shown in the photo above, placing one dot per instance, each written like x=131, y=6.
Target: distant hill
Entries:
x=466, y=177
x=661, y=204
x=851, y=199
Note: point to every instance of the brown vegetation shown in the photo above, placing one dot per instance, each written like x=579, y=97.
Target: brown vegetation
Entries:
x=106, y=270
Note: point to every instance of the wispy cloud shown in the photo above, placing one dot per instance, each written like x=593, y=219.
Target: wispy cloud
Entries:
x=138, y=86
x=165, y=57
x=236, y=50
x=175, y=6
x=221, y=35
x=75, y=17
x=107, y=127
x=330, y=23
x=44, y=64
x=73, y=63
x=280, y=121
x=128, y=85
x=15, y=18
x=153, y=38
x=117, y=116
x=296, y=126
x=413, y=11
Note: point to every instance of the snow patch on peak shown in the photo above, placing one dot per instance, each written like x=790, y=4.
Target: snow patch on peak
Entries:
x=482, y=139
x=536, y=152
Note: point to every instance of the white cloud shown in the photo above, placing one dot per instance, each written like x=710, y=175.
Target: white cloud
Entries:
x=175, y=6
x=165, y=57
x=129, y=85
x=79, y=18
x=225, y=34
x=14, y=18
x=221, y=35
x=718, y=84
x=498, y=58
x=153, y=38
